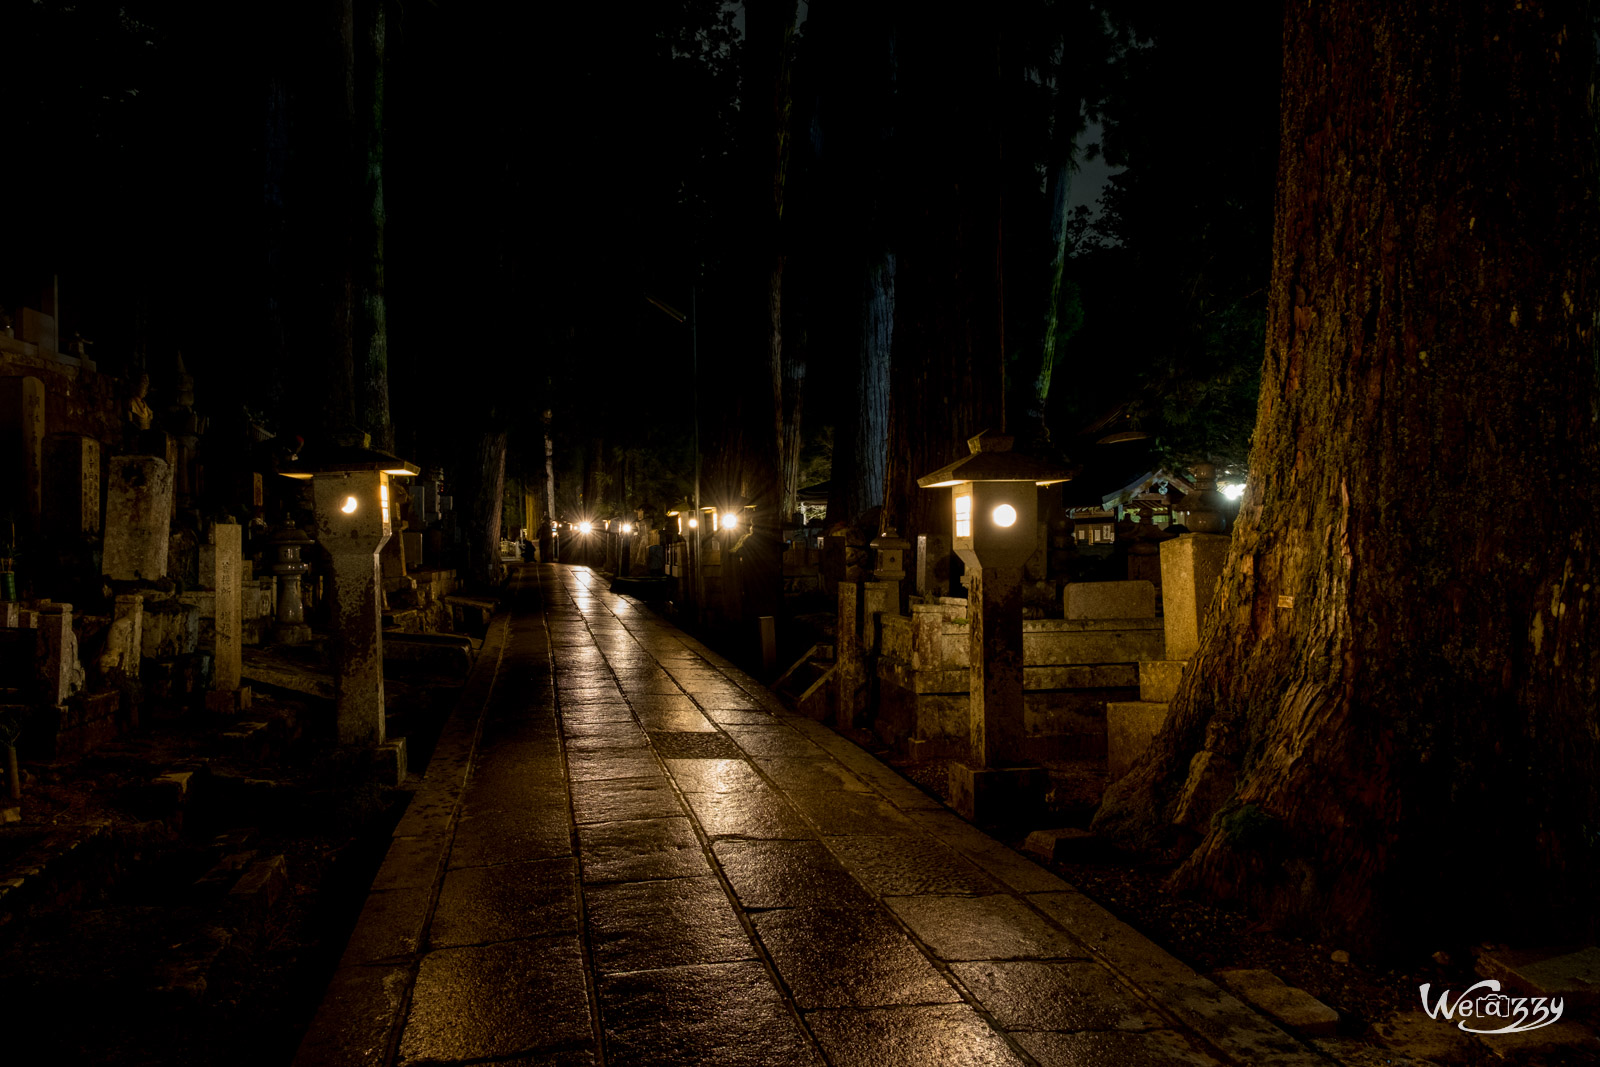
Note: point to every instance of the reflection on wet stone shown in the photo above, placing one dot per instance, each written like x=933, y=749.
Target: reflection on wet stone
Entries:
x=953, y=1035
x=786, y=874
x=714, y=775
x=648, y=925
x=458, y=1005
x=849, y=957
x=623, y=799
x=725, y=1014
x=752, y=813
x=637, y=851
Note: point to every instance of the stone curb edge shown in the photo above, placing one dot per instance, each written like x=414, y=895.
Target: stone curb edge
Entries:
x=358, y=1020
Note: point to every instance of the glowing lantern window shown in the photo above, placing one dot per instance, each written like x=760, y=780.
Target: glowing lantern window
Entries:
x=1005, y=515
x=963, y=516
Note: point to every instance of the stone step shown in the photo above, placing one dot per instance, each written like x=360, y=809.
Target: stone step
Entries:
x=1130, y=726
x=1159, y=678
x=1294, y=1008
x=1573, y=975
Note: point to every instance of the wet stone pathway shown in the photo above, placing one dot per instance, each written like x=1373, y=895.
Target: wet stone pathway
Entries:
x=640, y=858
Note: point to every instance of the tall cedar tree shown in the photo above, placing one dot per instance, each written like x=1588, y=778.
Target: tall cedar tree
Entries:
x=945, y=375
x=749, y=468
x=852, y=132
x=1390, y=731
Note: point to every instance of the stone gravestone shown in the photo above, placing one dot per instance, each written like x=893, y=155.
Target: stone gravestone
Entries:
x=1190, y=567
x=933, y=565
x=22, y=447
x=72, y=468
x=138, y=511
x=59, y=670
x=1110, y=600
x=228, y=580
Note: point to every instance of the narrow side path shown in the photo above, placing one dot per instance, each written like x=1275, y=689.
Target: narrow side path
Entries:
x=651, y=862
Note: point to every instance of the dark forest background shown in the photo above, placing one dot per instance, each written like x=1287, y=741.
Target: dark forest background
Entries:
x=438, y=221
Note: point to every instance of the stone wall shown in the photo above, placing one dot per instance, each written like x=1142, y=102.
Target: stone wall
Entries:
x=1071, y=669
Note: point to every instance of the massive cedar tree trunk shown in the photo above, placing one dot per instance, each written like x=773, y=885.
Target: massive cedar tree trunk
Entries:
x=945, y=378
x=324, y=170
x=852, y=134
x=1390, y=729
x=370, y=343
x=479, y=484
x=757, y=374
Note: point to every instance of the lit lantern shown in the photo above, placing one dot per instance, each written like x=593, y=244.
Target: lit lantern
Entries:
x=994, y=509
x=350, y=487
x=995, y=501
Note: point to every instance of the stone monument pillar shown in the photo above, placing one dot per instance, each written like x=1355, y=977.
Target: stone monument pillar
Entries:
x=851, y=671
x=1191, y=564
x=353, y=525
x=228, y=580
x=933, y=565
x=22, y=449
x=138, y=516
x=994, y=715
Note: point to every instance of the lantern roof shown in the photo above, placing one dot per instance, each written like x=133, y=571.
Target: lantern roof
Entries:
x=992, y=460
x=349, y=453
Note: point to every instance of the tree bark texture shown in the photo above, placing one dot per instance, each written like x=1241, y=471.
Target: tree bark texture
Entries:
x=864, y=484
x=853, y=133
x=371, y=340
x=1389, y=732
x=325, y=180
x=764, y=109
x=480, y=490
x=945, y=378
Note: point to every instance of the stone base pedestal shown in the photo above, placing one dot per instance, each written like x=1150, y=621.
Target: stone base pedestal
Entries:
x=293, y=633
x=1130, y=727
x=228, y=701
x=1190, y=567
x=986, y=795
x=390, y=760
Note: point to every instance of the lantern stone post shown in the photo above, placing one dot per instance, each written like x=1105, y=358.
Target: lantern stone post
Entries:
x=995, y=504
x=350, y=486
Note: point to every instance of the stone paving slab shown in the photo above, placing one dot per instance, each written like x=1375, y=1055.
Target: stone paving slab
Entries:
x=627, y=851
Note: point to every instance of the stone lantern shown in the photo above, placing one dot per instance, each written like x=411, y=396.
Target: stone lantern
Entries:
x=891, y=555
x=289, y=567
x=994, y=504
x=350, y=486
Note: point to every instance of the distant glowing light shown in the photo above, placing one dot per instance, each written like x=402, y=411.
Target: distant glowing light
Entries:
x=627, y=527
x=1005, y=515
x=349, y=505
x=730, y=520
x=585, y=527
x=1234, y=491
x=693, y=523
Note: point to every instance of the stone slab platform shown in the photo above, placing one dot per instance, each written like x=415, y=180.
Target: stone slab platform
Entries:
x=625, y=851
